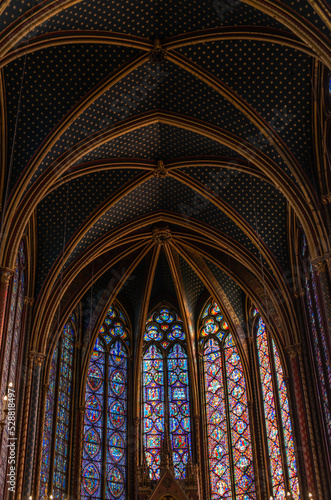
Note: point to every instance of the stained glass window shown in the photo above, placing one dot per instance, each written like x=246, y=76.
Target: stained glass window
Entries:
x=165, y=392
x=279, y=430
x=319, y=342
x=58, y=412
x=105, y=421
x=228, y=428
x=11, y=343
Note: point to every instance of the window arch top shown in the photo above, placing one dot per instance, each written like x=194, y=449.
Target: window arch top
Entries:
x=213, y=323
x=164, y=326
x=114, y=326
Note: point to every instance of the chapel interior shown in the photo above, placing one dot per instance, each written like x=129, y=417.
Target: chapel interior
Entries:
x=165, y=258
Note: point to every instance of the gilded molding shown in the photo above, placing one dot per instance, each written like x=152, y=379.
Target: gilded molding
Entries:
x=326, y=199
x=319, y=263
x=29, y=301
x=5, y=275
x=39, y=358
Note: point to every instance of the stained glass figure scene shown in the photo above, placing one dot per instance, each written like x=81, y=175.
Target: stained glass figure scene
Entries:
x=274, y=392
x=165, y=388
x=58, y=413
x=228, y=428
x=105, y=421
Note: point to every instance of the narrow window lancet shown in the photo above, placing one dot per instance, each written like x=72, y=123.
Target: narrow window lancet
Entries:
x=104, y=459
x=166, y=392
x=230, y=455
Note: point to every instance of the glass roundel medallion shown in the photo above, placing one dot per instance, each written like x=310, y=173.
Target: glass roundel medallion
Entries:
x=91, y=479
x=94, y=377
x=117, y=382
x=116, y=414
x=115, y=482
x=116, y=447
x=93, y=409
x=92, y=442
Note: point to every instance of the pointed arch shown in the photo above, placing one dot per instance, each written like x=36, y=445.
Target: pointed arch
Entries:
x=166, y=411
x=104, y=454
x=230, y=455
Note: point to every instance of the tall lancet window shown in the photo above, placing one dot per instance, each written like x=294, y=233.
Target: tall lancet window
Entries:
x=283, y=469
x=104, y=461
x=165, y=392
x=57, y=434
x=318, y=338
x=11, y=344
x=230, y=455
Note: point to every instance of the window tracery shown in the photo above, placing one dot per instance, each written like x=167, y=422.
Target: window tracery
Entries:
x=228, y=428
x=58, y=414
x=165, y=392
x=105, y=421
x=283, y=468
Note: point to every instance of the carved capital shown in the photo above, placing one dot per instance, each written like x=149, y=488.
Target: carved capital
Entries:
x=326, y=199
x=157, y=53
x=319, y=263
x=298, y=294
x=78, y=345
x=5, y=275
x=29, y=301
x=161, y=235
x=39, y=358
x=81, y=410
x=293, y=350
x=160, y=171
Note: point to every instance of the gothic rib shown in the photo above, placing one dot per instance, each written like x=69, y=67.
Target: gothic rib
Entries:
x=67, y=120
x=54, y=39
x=310, y=35
x=222, y=33
x=183, y=308
x=3, y=135
x=261, y=294
x=52, y=307
x=314, y=229
x=54, y=293
x=141, y=327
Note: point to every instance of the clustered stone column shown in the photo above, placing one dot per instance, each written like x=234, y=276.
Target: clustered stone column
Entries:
x=5, y=276
x=32, y=430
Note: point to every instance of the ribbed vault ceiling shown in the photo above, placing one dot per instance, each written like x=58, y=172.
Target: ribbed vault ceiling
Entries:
x=123, y=117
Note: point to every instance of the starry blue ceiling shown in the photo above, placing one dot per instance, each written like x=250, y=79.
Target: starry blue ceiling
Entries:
x=42, y=87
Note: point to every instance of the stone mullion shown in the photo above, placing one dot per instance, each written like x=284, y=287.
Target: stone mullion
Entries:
x=25, y=421
x=204, y=474
x=256, y=439
x=136, y=460
x=75, y=419
x=80, y=450
x=40, y=439
x=26, y=323
x=5, y=276
x=38, y=361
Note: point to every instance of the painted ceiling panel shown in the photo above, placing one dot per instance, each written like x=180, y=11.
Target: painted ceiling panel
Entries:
x=51, y=82
x=151, y=19
x=62, y=212
x=274, y=80
x=193, y=286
